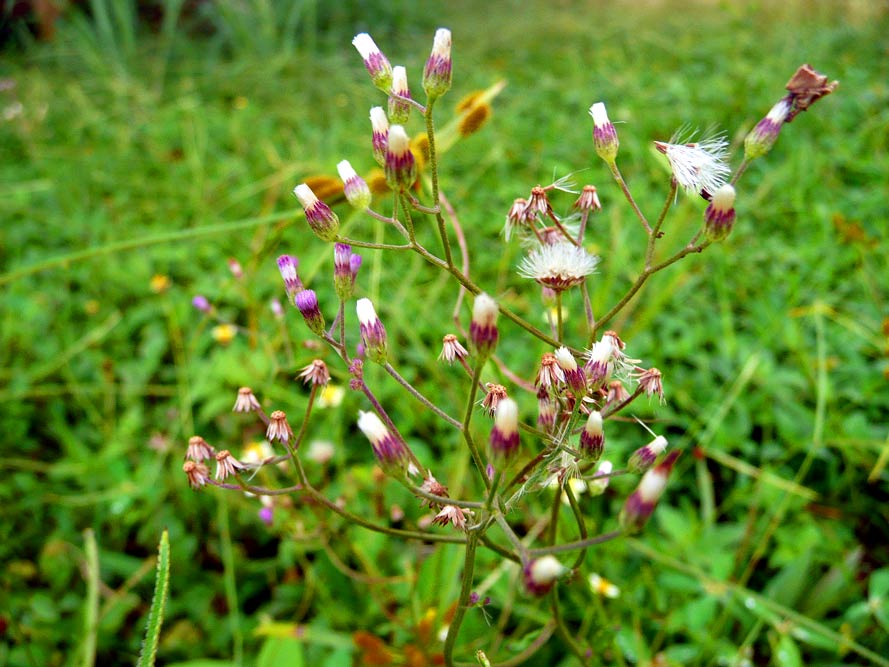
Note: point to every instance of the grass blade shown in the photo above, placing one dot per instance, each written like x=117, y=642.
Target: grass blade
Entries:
x=156, y=615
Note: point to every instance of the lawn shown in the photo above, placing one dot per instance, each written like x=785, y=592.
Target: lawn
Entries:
x=142, y=153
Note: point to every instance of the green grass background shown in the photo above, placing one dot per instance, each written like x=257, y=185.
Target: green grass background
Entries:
x=140, y=150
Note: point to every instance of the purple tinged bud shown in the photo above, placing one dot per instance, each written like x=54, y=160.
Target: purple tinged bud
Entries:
x=719, y=218
x=505, y=434
x=287, y=267
x=355, y=188
x=640, y=505
x=592, y=437
x=546, y=410
x=604, y=134
x=321, y=219
x=644, y=457
x=307, y=302
x=765, y=134
x=399, y=111
x=400, y=167
x=376, y=63
x=380, y=140
x=483, y=332
x=354, y=265
x=388, y=449
x=342, y=272
x=373, y=334
x=540, y=574
x=201, y=302
x=574, y=375
x=437, y=72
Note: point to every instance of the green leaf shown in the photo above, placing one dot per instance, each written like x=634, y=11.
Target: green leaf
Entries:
x=156, y=615
x=281, y=652
x=787, y=653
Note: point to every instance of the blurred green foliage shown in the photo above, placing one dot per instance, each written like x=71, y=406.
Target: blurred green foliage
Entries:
x=133, y=149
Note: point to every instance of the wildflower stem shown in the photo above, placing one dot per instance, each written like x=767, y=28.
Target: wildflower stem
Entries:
x=571, y=546
x=465, y=591
x=581, y=524
x=608, y=411
x=656, y=232
x=416, y=394
x=467, y=435
x=587, y=305
x=559, y=314
x=441, y=500
x=411, y=232
x=373, y=246
x=433, y=169
x=562, y=629
x=364, y=523
x=395, y=222
x=615, y=172
x=740, y=171
x=510, y=533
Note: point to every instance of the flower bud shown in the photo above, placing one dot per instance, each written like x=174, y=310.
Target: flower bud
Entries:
x=546, y=410
x=376, y=63
x=644, y=457
x=307, y=302
x=540, y=574
x=321, y=219
x=505, y=434
x=287, y=267
x=343, y=280
x=483, y=332
x=401, y=169
x=592, y=437
x=354, y=187
x=574, y=375
x=437, y=72
x=388, y=449
x=201, y=303
x=399, y=110
x=373, y=333
x=719, y=218
x=380, y=138
x=762, y=137
x=604, y=134
x=641, y=503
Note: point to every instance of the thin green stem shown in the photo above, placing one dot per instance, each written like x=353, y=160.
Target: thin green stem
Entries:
x=416, y=394
x=656, y=232
x=463, y=600
x=559, y=314
x=562, y=629
x=581, y=524
x=615, y=172
x=571, y=546
x=433, y=168
x=467, y=419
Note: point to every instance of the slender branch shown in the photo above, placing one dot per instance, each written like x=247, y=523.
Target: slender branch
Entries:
x=463, y=600
x=571, y=546
x=416, y=394
x=615, y=172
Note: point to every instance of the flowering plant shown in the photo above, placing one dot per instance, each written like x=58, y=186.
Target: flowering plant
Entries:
x=581, y=386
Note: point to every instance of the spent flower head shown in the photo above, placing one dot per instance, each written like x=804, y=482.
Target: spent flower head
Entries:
x=246, y=401
x=278, y=428
x=315, y=373
x=700, y=167
x=558, y=266
x=451, y=349
x=199, y=449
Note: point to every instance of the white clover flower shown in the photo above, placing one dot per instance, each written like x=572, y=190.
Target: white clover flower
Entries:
x=558, y=266
x=698, y=167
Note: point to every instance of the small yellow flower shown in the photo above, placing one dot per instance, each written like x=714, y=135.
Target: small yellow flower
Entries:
x=160, y=283
x=91, y=307
x=224, y=333
x=240, y=102
x=331, y=396
x=601, y=586
x=257, y=452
